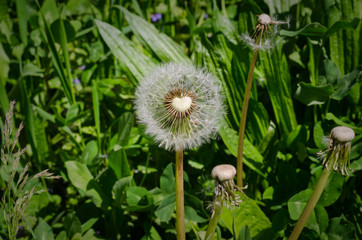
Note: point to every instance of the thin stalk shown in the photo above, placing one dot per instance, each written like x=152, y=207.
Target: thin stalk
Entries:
x=180, y=212
x=311, y=204
x=215, y=218
x=244, y=111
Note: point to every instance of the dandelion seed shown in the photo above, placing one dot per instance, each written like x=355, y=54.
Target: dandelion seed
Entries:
x=336, y=155
x=180, y=106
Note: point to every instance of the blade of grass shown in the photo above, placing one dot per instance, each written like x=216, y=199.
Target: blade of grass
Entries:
x=66, y=83
x=96, y=112
x=131, y=58
x=161, y=45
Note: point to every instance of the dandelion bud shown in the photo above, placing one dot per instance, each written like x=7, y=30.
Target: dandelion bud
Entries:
x=224, y=185
x=336, y=156
x=180, y=105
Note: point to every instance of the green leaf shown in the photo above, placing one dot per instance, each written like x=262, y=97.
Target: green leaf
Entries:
x=133, y=60
x=88, y=224
x=139, y=199
x=311, y=30
x=248, y=213
x=118, y=190
x=97, y=118
x=340, y=229
x=89, y=153
x=56, y=30
x=345, y=84
x=43, y=231
x=297, y=203
x=330, y=116
x=161, y=45
x=23, y=16
x=244, y=233
x=32, y=70
x=253, y=158
x=79, y=175
x=318, y=221
x=341, y=25
x=119, y=163
x=191, y=214
x=332, y=190
x=72, y=225
x=166, y=208
x=313, y=95
x=125, y=123
x=318, y=135
x=167, y=180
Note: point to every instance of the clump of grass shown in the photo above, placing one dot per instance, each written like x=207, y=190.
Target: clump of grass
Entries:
x=15, y=195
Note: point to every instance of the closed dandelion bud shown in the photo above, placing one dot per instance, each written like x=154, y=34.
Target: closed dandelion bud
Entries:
x=224, y=186
x=336, y=156
x=181, y=106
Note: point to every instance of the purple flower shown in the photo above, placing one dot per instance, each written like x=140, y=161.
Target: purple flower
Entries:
x=76, y=81
x=156, y=17
x=82, y=67
x=206, y=16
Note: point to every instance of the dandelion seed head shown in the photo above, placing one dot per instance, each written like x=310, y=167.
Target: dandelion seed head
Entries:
x=337, y=155
x=181, y=106
x=264, y=19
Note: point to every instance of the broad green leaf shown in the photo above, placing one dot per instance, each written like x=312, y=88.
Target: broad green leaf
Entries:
x=340, y=229
x=311, y=30
x=125, y=123
x=139, y=199
x=79, y=175
x=68, y=28
x=318, y=135
x=90, y=152
x=132, y=59
x=341, y=25
x=330, y=71
x=313, y=95
x=161, y=45
x=244, y=233
x=253, y=158
x=43, y=231
x=166, y=208
x=331, y=116
x=118, y=190
x=119, y=163
x=332, y=190
x=248, y=213
x=72, y=225
x=32, y=70
x=280, y=220
x=345, y=84
x=223, y=24
x=318, y=221
x=167, y=180
x=191, y=214
x=297, y=203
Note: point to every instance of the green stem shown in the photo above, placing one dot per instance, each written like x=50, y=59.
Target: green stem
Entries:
x=218, y=203
x=243, y=119
x=311, y=204
x=180, y=212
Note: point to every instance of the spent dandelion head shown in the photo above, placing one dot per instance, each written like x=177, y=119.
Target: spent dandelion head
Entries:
x=224, y=184
x=180, y=105
x=336, y=155
x=264, y=36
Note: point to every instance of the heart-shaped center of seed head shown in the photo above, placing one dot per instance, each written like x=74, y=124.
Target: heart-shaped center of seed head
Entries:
x=181, y=104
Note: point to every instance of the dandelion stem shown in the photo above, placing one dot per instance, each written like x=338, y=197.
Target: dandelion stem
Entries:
x=244, y=112
x=217, y=207
x=311, y=204
x=180, y=212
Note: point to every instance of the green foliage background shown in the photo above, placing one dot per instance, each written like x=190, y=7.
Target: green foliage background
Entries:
x=73, y=66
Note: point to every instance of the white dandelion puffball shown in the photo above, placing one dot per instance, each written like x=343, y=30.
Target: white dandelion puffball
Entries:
x=180, y=105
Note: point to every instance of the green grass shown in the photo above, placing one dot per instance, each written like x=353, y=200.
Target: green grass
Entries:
x=73, y=68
